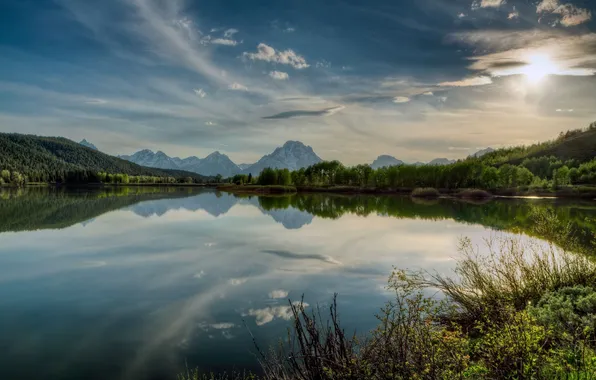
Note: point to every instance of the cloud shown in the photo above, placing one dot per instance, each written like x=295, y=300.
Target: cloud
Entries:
x=200, y=92
x=298, y=256
x=428, y=93
x=222, y=326
x=268, y=314
x=570, y=15
x=95, y=101
x=299, y=113
x=491, y=3
x=275, y=294
x=237, y=87
x=513, y=52
x=173, y=41
x=547, y=6
x=199, y=274
x=289, y=30
x=279, y=75
x=237, y=281
x=513, y=15
x=468, y=82
x=210, y=123
x=401, y=99
x=268, y=54
x=224, y=41
x=461, y=15
x=230, y=32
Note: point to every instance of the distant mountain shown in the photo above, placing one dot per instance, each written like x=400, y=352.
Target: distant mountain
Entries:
x=86, y=143
x=158, y=160
x=48, y=158
x=385, y=161
x=216, y=163
x=213, y=164
x=482, y=152
x=293, y=155
x=244, y=166
x=441, y=161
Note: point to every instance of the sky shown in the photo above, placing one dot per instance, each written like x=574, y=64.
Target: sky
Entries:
x=416, y=79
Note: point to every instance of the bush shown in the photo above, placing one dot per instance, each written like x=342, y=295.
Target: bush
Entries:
x=570, y=311
x=427, y=192
x=513, y=348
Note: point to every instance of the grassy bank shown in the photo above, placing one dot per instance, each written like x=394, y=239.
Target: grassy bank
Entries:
x=513, y=310
x=570, y=192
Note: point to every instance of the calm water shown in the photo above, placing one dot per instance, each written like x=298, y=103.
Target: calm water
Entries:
x=134, y=283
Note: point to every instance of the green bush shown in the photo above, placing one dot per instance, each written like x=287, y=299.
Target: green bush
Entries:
x=571, y=311
x=511, y=349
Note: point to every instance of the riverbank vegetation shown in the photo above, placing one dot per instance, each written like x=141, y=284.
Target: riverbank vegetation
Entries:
x=513, y=310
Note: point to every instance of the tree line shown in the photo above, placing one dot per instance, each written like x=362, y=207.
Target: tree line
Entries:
x=543, y=172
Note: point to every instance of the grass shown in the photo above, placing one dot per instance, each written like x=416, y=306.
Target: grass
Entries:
x=427, y=192
x=512, y=274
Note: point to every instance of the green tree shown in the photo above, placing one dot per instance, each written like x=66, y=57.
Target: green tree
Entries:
x=5, y=175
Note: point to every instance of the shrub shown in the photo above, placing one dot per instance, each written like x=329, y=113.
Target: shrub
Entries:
x=427, y=192
x=570, y=311
x=513, y=348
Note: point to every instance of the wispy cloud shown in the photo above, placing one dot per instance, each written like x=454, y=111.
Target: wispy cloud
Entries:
x=401, y=99
x=200, y=92
x=96, y=101
x=276, y=294
x=300, y=113
x=279, y=75
x=468, y=82
x=286, y=57
x=224, y=41
x=515, y=52
x=237, y=87
x=230, y=32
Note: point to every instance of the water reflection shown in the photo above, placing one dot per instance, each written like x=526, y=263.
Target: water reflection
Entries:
x=132, y=283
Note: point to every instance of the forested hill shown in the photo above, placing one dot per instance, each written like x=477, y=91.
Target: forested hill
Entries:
x=574, y=145
x=52, y=158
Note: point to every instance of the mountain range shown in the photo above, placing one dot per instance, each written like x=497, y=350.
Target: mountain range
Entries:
x=292, y=155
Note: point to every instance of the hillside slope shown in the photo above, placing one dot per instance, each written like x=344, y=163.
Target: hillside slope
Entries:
x=579, y=145
x=45, y=158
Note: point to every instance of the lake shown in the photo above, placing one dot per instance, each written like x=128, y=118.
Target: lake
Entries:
x=137, y=283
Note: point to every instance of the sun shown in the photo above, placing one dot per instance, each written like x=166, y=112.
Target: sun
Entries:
x=539, y=66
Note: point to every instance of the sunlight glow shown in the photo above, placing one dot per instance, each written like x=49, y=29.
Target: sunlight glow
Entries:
x=538, y=68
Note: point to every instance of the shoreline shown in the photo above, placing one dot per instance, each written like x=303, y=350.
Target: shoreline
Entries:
x=565, y=193
x=581, y=193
